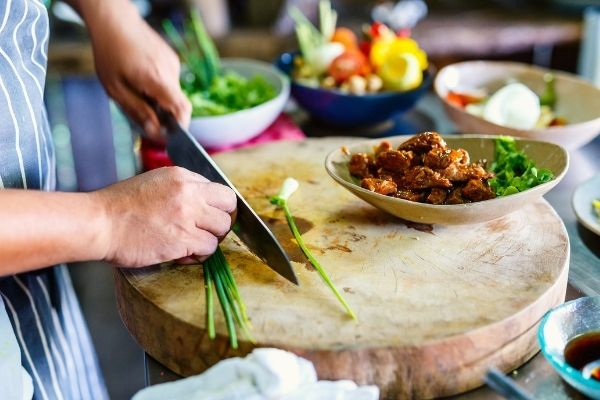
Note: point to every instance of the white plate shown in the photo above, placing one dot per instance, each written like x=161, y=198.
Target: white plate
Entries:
x=582, y=203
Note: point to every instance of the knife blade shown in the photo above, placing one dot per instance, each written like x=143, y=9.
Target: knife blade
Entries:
x=186, y=152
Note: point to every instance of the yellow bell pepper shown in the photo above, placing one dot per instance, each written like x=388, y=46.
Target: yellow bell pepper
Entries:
x=399, y=61
x=384, y=48
x=401, y=71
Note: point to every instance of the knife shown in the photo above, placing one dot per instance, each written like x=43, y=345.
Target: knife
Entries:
x=186, y=152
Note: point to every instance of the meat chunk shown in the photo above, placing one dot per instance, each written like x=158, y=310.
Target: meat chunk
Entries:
x=381, y=186
x=383, y=146
x=412, y=195
x=438, y=158
x=423, y=142
x=423, y=178
x=360, y=164
x=455, y=197
x=464, y=172
x=394, y=160
x=437, y=196
x=477, y=190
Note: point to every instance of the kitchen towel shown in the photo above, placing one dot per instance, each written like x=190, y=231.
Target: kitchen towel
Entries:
x=265, y=374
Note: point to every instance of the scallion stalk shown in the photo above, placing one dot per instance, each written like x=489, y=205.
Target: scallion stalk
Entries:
x=289, y=187
x=217, y=274
x=210, y=312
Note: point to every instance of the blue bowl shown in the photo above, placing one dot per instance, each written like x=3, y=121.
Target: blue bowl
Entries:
x=341, y=109
x=560, y=325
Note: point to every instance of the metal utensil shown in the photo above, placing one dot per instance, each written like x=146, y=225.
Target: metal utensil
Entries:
x=186, y=152
x=505, y=386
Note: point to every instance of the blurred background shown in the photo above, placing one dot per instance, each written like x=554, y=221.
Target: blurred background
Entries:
x=96, y=145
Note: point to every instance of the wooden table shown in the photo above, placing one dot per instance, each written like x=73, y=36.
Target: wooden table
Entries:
x=537, y=375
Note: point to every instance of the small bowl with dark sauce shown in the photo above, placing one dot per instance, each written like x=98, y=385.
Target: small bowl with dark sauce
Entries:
x=569, y=336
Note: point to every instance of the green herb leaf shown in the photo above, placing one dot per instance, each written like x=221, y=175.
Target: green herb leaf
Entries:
x=514, y=171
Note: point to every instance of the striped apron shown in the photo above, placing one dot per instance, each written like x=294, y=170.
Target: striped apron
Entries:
x=55, y=345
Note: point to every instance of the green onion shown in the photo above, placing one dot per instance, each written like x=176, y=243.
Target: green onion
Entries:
x=289, y=186
x=210, y=313
x=217, y=273
x=514, y=171
x=327, y=19
x=211, y=90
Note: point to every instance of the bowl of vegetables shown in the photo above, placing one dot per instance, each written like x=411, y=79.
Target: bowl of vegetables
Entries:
x=457, y=179
x=343, y=81
x=507, y=98
x=233, y=100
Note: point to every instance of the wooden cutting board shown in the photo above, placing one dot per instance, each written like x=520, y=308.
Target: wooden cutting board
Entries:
x=437, y=305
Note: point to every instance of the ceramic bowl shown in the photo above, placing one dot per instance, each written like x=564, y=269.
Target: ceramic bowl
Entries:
x=240, y=126
x=341, y=109
x=577, y=100
x=582, y=203
x=545, y=155
x=560, y=325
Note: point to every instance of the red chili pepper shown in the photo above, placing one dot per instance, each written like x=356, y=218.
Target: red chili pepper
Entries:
x=377, y=29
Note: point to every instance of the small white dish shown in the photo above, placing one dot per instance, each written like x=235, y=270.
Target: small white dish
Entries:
x=583, y=196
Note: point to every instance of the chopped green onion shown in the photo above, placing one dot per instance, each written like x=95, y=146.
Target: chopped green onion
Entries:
x=217, y=273
x=289, y=187
x=514, y=171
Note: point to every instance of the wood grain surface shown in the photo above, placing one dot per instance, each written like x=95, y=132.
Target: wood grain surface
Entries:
x=437, y=305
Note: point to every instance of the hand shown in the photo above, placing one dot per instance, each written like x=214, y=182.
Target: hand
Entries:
x=163, y=215
x=135, y=64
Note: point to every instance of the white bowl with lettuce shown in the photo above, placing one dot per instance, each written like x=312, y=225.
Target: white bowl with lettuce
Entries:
x=514, y=99
x=233, y=100
x=214, y=124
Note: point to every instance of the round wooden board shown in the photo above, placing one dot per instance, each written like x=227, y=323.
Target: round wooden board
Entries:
x=436, y=305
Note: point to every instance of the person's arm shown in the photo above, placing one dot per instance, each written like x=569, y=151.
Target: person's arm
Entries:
x=133, y=62
x=162, y=215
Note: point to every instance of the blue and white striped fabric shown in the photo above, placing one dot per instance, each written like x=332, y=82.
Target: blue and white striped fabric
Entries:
x=56, y=349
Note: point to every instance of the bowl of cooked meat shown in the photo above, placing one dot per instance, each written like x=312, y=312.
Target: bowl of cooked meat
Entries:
x=457, y=179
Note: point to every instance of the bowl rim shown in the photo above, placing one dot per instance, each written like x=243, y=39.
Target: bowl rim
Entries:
x=428, y=79
x=580, y=191
x=516, y=65
x=560, y=364
x=449, y=207
x=283, y=92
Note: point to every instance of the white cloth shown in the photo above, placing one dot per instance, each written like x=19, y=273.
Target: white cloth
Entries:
x=11, y=370
x=265, y=374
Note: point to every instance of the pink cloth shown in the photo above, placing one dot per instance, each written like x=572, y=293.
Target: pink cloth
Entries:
x=282, y=129
x=154, y=155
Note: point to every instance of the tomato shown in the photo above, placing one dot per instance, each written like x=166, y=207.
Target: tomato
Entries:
x=349, y=63
x=463, y=99
x=455, y=99
x=365, y=47
x=346, y=37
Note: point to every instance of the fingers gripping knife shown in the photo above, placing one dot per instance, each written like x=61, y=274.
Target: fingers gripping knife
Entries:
x=186, y=152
